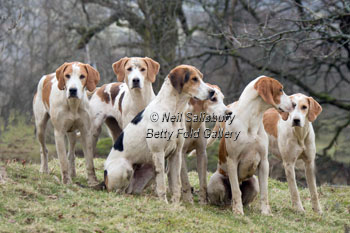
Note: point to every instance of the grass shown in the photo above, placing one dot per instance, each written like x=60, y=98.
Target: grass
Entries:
x=34, y=202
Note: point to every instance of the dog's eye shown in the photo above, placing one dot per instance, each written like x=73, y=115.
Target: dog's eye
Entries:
x=304, y=107
x=214, y=99
x=143, y=69
x=294, y=104
x=67, y=76
x=195, y=79
x=129, y=69
x=281, y=90
x=82, y=76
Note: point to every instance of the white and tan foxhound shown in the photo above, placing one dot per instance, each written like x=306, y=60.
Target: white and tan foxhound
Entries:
x=293, y=138
x=153, y=135
x=118, y=103
x=62, y=97
x=199, y=108
x=241, y=157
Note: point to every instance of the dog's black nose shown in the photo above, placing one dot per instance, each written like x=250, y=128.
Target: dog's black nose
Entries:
x=211, y=93
x=136, y=81
x=296, y=122
x=73, y=92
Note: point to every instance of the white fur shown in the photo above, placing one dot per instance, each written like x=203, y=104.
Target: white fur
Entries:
x=67, y=115
x=141, y=150
x=248, y=152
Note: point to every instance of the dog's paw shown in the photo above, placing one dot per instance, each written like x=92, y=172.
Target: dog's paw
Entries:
x=266, y=210
x=237, y=210
x=187, y=198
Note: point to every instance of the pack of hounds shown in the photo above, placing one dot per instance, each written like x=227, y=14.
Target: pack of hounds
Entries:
x=269, y=121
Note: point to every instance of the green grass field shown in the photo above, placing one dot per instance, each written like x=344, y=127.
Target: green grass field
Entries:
x=34, y=202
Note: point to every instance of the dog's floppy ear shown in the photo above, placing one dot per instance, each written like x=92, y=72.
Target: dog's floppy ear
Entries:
x=269, y=89
x=178, y=77
x=314, y=109
x=60, y=75
x=152, y=69
x=119, y=68
x=93, y=77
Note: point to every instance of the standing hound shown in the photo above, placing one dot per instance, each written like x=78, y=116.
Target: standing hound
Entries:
x=293, y=138
x=240, y=157
x=153, y=135
x=117, y=104
x=63, y=98
x=215, y=105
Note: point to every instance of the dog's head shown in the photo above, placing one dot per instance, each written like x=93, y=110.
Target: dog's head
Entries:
x=215, y=105
x=117, y=175
x=271, y=91
x=75, y=76
x=304, y=109
x=187, y=79
x=135, y=71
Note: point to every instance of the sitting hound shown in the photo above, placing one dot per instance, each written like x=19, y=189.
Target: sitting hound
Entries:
x=62, y=96
x=240, y=157
x=293, y=138
x=116, y=104
x=153, y=135
x=200, y=108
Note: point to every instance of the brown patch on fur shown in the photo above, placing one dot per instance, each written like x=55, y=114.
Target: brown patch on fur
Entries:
x=222, y=147
x=152, y=69
x=92, y=78
x=46, y=91
x=114, y=91
x=181, y=77
x=314, y=109
x=269, y=89
x=198, y=105
x=270, y=121
x=222, y=172
x=120, y=102
x=104, y=96
x=119, y=68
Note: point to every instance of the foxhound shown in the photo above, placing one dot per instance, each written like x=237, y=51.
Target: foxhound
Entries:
x=154, y=135
x=214, y=105
x=118, y=103
x=293, y=138
x=62, y=97
x=240, y=157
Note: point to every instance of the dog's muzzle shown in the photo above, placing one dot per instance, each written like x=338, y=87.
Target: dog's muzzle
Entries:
x=136, y=83
x=296, y=122
x=73, y=92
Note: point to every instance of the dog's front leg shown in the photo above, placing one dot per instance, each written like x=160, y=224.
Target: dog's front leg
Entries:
x=158, y=160
x=186, y=186
x=232, y=170
x=61, y=152
x=263, y=183
x=86, y=141
x=202, y=163
x=311, y=183
x=289, y=167
x=71, y=153
x=175, y=174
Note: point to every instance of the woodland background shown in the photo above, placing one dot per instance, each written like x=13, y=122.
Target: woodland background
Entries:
x=302, y=43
